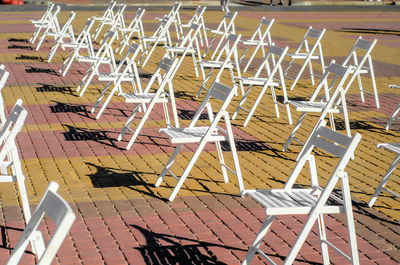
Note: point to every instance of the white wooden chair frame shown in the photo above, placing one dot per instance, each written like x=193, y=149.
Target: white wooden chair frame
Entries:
x=67, y=31
x=198, y=18
x=160, y=96
x=395, y=112
x=274, y=78
x=105, y=55
x=307, y=53
x=224, y=29
x=176, y=18
x=45, y=21
x=333, y=101
x=10, y=164
x=45, y=16
x=136, y=26
x=126, y=71
x=161, y=34
x=362, y=66
x=108, y=16
x=50, y=28
x=395, y=148
x=57, y=209
x=223, y=61
x=203, y=135
x=312, y=201
x=83, y=41
x=117, y=22
x=260, y=39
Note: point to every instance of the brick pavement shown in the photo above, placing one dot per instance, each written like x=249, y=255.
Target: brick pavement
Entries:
x=124, y=219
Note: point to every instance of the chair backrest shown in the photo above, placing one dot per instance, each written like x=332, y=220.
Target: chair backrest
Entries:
x=67, y=29
x=358, y=55
x=53, y=24
x=109, y=12
x=272, y=62
x=174, y=12
x=136, y=24
x=106, y=49
x=163, y=73
x=228, y=48
x=221, y=93
x=3, y=79
x=311, y=41
x=225, y=27
x=263, y=31
x=57, y=209
x=198, y=15
x=163, y=27
x=46, y=15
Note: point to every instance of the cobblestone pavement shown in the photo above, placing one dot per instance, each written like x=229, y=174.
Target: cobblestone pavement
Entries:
x=123, y=219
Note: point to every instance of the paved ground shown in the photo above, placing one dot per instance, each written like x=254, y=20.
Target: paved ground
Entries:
x=124, y=219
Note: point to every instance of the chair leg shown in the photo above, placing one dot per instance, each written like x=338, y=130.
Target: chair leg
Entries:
x=168, y=165
x=323, y=239
x=104, y=105
x=222, y=161
x=244, y=97
x=393, y=117
x=128, y=122
x=371, y=69
x=293, y=132
x=384, y=180
x=257, y=240
x=253, y=108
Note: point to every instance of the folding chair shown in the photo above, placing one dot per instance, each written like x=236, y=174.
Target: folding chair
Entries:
x=395, y=112
x=315, y=202
x=42, y=23
x=67, y=31
x=333, y=101
x=57, y=209
x=189, y=43
x=305, y=52
x=45, y=17
x=108, y=15
x=273, y=78
x=260, y=38
x=225, y=28
x=198, y=18
x=82, y=42
x=136, y=26
x=360, y=54
x=176, y=18
x=169, y=67
x=223, y=61
x=105, y=55
x=10, y=163
x=204, y=134
x=117, y=21
x=126, y=71
x=160, y=35
x=393, y=147
x=51, y=26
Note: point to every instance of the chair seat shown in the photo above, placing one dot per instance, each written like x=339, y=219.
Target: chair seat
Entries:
x=302, y=55
x=190, y=135
x=216, y=64
x=394, y=147
x=89, y=59
x=253, y=42
x=142, y=98
x=295, y=201
x=114, y=76
x=153, y=39
x=179, y=49
x=258, y=81
x=308, y=106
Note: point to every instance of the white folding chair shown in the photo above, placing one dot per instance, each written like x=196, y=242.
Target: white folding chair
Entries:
x=260, y=38
x=82, y=42
x=309, y=49
x=104, y=55
x=332, y=101
x=168, y=66
x=118, y=21
x=176, y=18
x=272, y=79
x=395, y=148
x=315, y=202
x=57, y=209
x=204, y=134
x=360, y=62
x=44, y=22
x=224, y=29
x=51, y=28
x=126, y=71
x=10, y=164
x=45, y=16
x=189, y=43
x=395, y=112
x=223, y=61
x=108, y=16
x=198, y=18
x=136, y=26
x=67, y=31
x=161, y=34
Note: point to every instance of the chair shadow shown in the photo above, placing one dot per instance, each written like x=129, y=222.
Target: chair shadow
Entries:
x=244, y=145
x=189, y=114
x=83, y=134
x=371, y=31
x=20, y=47
x=360, y=125
x=30, y=58
x=33, y=70
x=78, y=109
x=106, y=177
x=52, y=88
x=4, y=240
x=18, y=40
